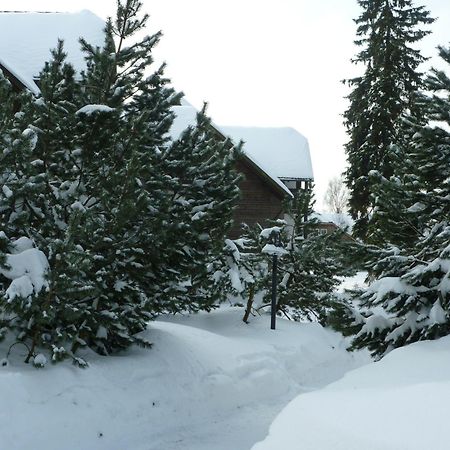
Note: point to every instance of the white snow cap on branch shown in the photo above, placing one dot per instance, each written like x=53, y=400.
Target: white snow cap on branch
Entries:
x=271, y=249
x=91, y=109
x=27, y=268
x=7, y=191
x=275, y=230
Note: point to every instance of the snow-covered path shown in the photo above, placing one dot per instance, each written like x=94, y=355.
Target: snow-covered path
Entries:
x=398, y=403
x=209, y=383
x=256, y=372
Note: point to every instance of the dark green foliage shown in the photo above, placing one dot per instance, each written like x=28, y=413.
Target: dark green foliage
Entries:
x=127, y=219
x=309, y=264
x=387, y=31
x=201, y=183
x=309, y=269
x=410, y=297
x=240, y=270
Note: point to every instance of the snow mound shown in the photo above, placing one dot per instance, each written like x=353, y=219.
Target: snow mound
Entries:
x=210, y=382
x=395, y=404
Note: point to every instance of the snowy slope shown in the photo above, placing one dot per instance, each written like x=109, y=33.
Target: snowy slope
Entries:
x=399, y=403
x=209, y=383
x=27, y=38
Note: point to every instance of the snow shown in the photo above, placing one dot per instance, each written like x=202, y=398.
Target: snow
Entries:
x=267, y=169
x=21, y=244
x=210, y=382
x=268, y=232
x=7, y=191
x=398, y=403
x=379, y=288
x=21, y=287
x=271, y=249
x=342, y=220
x=185, y=116
x=283, y=149
x=27, y=270
x=376, y=322
x=356, y=282
x=91, y=109
x=27, y=38
x=437, y=314
x=417, y=207
x=40, y=360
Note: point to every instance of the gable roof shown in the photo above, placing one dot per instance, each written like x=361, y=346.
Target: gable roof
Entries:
x=186, y=115
x=284, y=149
x=26, y=39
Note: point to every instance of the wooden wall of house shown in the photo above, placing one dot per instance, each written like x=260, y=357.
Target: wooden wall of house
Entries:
x=330, y=227
x=259, y=201
x=16, y=84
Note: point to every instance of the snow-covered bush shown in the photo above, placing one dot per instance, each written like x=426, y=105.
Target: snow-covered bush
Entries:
x=241, y=270
x=310, y=268
x=24, y=284
x=308, y=265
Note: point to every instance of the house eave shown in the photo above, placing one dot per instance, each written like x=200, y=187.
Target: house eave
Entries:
x=16, y=80
x=279, y=188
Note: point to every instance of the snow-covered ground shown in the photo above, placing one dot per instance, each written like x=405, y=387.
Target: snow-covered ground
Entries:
x=355, y=282
x=210, y=382
x=399, y=403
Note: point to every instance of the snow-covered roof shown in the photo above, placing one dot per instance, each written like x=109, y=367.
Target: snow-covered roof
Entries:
x=284, y=149
x=342, y=220
x=26, y=39
x=185, y=116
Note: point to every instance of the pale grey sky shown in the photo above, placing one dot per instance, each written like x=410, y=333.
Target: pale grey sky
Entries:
x=261, y=62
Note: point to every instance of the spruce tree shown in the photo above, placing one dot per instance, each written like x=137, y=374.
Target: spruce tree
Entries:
x=387, y=32
x=410, y=297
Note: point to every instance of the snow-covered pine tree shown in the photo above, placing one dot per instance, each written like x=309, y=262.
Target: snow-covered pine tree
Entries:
x=39, y=204
x=240, y=271
x=164, y=206
x=393, y=220
x=121, y=129
x=412, y=284
x=203, y=187
x=387, y=31
x=88, y=176
x=309, y=270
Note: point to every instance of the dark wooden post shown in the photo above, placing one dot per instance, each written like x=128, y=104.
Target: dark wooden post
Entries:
x=273, y=317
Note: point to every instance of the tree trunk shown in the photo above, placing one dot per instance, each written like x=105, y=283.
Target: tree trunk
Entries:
x=248, y=309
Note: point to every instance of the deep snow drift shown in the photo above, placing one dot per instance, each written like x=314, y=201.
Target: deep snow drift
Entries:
x=399, y=403
x=210, y=382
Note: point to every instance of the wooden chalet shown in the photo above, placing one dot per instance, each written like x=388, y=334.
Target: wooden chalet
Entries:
x=262, y=192
x=283, y=152
x=283, y=149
